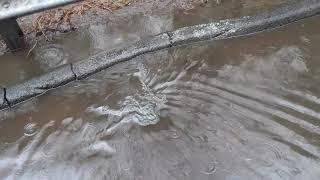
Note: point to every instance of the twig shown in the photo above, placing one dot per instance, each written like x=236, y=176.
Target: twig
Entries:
x=35, y=44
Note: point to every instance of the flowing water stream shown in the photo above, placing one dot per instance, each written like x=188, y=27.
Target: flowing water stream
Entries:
x=242, y=108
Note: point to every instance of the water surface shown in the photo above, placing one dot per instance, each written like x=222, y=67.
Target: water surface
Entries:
x=126, y=25
x=242, y=108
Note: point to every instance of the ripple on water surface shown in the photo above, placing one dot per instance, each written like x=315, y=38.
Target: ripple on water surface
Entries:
x=245, y=108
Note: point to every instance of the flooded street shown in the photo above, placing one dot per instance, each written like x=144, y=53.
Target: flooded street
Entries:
x=236, y=109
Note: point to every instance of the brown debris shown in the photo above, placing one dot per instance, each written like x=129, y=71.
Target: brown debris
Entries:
x=51, y=20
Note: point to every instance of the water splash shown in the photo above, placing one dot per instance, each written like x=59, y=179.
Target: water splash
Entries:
x=50, y=56
x=142, y=108
x=30, y=129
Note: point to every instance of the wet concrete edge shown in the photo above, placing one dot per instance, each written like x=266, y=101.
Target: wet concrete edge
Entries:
x=39, y=85
x=3, y=101
x=65, y=74
x=96, y=63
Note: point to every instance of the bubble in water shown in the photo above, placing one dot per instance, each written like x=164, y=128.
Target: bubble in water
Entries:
x=211, y=129
x=51, y=56
x=125, y=167
x=295, y=171
x=210, y=168
x=173, y=134
x=30, y=129
x=6, y=4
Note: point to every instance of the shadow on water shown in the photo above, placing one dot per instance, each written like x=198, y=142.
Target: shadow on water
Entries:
x=242, y=108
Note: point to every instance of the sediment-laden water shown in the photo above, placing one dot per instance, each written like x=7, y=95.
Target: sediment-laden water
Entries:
x=242, y=108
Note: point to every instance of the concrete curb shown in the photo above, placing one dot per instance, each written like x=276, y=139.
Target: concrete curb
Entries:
x=39, y=85
x=220, y=30
x=104, y=60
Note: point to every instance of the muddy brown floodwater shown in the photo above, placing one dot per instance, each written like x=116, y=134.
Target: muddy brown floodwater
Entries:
x=242, y=108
